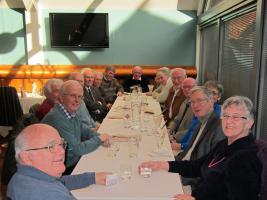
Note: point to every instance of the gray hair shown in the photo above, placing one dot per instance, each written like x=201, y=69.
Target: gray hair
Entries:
x=20, y=144
x=239, y=101
x=165, y=70
x=85, y=69
x=66, y=84
x=215, y=84
x=203, y=89
x=47, y=89
x=183, y=71
x=110, y=68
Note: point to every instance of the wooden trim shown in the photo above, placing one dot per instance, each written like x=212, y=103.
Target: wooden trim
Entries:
x=62, y=71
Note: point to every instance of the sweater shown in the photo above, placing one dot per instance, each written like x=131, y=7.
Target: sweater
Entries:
x=31, y=184
x=81, y=139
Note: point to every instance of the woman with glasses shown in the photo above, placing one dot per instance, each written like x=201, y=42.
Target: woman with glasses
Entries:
x=231, y=171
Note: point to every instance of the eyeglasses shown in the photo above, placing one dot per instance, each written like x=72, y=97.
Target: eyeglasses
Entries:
x=74, y=96
x=198, y=101
x=235, y=118
x=51, y=147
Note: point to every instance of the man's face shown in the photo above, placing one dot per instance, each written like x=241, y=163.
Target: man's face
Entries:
x=200, y=104
x=50, y=161
x=137, y=73
x=89, y=77
x=53, y=96
x=177, y=79
x=109, y=75
x=98, y=80
x=187, y=85
x=79, y=78
x=235, y=122
x=72, y=97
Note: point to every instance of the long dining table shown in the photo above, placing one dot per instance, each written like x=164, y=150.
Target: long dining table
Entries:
x=160, y=185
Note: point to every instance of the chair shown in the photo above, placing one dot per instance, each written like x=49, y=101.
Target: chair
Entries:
x=262, y=155
x=10, y=107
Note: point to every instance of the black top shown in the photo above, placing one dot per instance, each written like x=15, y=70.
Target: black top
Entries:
x=143, y=83
x=227, y=172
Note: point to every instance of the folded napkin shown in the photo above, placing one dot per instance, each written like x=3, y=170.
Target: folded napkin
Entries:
x=115, y=116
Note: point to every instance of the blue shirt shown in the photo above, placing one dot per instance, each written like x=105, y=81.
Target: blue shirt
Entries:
x=31, y=184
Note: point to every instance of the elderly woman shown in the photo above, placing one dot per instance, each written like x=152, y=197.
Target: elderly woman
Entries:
x=231, y=171
x=161, y=93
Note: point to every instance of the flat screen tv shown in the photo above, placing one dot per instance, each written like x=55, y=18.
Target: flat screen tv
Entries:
x=79, y=30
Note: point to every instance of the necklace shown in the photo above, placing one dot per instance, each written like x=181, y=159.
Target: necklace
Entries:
x=213, y=163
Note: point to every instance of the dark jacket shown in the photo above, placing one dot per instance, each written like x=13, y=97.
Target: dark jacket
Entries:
x=228, y=172
x=129, y=82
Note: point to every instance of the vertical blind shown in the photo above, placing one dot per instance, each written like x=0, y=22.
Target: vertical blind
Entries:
x=209, y=52
x=238, y=64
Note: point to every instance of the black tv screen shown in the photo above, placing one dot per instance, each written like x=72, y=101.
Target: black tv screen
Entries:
x=79, y=30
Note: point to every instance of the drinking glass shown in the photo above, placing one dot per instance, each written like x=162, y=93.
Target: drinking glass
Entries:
x=150, y=87
x=126, y=171
x=159, y=137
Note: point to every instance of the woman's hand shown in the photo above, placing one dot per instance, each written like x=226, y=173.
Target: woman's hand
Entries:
x=154, y=165
x=183, y=197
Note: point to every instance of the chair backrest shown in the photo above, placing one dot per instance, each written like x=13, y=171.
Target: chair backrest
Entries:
x=10, y=107
x=262, y=155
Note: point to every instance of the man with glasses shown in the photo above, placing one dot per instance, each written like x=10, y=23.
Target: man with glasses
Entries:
x=176, y=96
x=81, y=140
x=40, y=153
x=136, y=79
x=207, y=133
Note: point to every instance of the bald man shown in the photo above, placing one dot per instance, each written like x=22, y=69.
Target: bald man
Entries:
x=136, y=79
x=40, y=153
x=81, y=140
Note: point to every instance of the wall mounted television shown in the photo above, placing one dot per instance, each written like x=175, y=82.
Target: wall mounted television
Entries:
x=79, y=30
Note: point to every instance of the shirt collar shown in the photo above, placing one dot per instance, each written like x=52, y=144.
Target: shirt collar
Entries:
x=67, y=114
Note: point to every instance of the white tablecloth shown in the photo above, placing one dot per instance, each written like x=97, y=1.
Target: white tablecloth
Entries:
x=27, y=102
x=161, y=185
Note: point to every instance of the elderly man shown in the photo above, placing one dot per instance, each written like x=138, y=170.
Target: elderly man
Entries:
x=98, y=79
x=176, y=95
x=82, y=112
x=40, y=153
x=110, y=85
x=51, y=91
x=209, y=131
x=136, y=79
x=81, y=140
x=182, y=121
x=95, y=104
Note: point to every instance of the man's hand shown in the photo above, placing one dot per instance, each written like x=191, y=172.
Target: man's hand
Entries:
x=105, y=139
x=175, y=146
x=119, y=93
x=100, y=178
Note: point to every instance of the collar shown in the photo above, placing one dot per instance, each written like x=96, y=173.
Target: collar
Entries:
x=35, y=173
x=137, y=79
x=67, y=114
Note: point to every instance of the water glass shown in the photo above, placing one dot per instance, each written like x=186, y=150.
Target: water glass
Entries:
x=127, y=118
x=145, y=172
x=126, y=171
